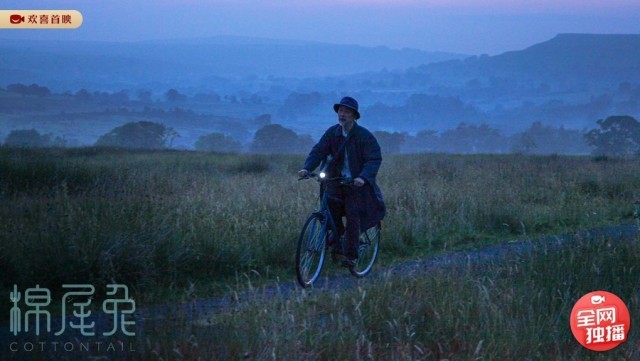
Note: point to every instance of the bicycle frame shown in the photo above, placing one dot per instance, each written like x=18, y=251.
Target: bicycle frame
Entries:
x=321, y=223
x=324, y=210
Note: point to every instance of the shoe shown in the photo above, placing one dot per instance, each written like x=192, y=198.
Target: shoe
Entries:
x=349, y=263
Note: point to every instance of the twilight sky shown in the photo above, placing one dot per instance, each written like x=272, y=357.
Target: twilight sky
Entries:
x=463, y=26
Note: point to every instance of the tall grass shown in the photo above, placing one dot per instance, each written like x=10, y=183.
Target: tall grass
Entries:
x=513, y=309
x=164, y=221
x=450, y=202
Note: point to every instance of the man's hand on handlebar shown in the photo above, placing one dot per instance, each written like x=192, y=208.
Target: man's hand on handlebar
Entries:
x=303, y=173
x=357, y=182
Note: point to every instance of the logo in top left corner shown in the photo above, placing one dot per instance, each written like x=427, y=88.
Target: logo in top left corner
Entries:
x=40, y=19
x=16, y=19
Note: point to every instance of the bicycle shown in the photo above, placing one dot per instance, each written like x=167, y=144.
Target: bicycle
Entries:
x=319, y=228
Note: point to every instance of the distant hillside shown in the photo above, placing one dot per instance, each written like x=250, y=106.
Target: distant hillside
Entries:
x=571, y=80
x=576, y=58
x=182, y=63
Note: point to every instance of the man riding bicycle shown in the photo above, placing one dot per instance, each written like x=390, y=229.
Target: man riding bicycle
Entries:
x=351, y=151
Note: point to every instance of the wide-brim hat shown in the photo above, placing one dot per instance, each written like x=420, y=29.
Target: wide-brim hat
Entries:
x=348, y=102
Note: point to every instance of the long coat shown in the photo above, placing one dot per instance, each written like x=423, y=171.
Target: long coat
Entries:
x=364, y=158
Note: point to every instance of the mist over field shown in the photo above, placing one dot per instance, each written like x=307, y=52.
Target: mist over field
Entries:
x=430, y=101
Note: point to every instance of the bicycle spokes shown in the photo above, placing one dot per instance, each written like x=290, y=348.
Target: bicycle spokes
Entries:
x=306, y=261
x=313, y=241
x=311, y=250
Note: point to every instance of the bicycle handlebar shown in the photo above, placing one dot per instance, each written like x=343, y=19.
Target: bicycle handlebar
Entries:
x=342, y=180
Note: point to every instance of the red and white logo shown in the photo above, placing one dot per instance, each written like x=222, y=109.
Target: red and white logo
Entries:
x=16, y=19
x=600, y=321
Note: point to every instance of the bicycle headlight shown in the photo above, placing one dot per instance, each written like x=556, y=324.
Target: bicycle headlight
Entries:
x=322, y=174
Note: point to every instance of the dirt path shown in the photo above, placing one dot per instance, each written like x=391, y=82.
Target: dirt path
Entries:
x=200, y=311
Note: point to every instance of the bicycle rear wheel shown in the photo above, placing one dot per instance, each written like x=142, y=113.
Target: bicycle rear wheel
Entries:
x=311, y=250
x=368, y=249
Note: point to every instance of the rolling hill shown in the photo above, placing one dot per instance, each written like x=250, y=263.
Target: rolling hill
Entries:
x=572, y=58
x=72, y=65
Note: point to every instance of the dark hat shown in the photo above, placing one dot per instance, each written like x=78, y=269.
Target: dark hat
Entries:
x=348, y=102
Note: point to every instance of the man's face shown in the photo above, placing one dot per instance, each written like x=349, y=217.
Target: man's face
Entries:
x=346, y=117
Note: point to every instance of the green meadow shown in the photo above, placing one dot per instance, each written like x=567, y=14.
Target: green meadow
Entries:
x=514, y=309
x=177, y=225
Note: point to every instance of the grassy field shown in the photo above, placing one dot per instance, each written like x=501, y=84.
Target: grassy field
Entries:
x=510, y=310
x=176, y=226
x=163, y=222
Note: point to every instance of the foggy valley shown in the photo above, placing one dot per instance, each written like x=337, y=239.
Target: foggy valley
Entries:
x=541, y=99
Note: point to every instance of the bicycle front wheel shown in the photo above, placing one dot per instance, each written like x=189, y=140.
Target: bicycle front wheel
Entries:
x=311, y=250
x=368, y=248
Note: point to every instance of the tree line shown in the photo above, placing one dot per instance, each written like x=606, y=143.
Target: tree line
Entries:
x=615, y=135
x=123, y=96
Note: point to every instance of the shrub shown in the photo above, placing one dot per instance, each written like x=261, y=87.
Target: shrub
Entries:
x=143, y=134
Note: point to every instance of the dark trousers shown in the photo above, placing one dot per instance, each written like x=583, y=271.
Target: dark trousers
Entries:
x=344, y=201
